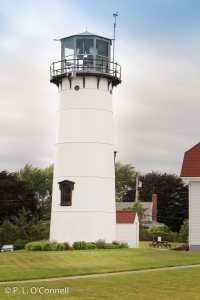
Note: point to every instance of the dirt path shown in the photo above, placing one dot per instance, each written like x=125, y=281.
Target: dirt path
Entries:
x=99, y=274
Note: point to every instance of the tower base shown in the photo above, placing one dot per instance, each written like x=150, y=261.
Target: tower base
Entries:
x=95, y=225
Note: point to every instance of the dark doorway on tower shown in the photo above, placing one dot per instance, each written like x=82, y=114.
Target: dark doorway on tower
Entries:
x=66, y=188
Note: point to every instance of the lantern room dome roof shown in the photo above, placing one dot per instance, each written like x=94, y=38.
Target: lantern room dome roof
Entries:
x=86, y=33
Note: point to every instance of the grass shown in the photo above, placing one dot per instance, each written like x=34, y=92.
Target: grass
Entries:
x=29, y=265
x=166, y=285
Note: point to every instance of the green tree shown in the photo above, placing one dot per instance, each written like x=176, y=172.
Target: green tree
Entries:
x=184, y=231
x=15, y=194
x=23, y=228
x=172, y=197
x=40, y=181
x=9, y=232
x=23, y=222
x=159, y=230
x=139, y=209
x=125, y=176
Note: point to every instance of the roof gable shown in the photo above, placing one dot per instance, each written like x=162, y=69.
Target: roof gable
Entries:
x=191, y=162
x=125, y=217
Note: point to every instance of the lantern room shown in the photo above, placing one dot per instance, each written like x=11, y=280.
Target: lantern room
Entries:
x=86, y=46
x=86, y=54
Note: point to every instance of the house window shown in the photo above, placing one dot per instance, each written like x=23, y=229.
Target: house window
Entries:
x=66, y=188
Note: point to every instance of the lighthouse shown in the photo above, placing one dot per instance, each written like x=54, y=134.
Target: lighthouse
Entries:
x=83, y=200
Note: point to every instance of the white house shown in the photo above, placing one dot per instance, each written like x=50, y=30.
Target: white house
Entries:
x=150, y=210
x=191, y=174
x=127, y=229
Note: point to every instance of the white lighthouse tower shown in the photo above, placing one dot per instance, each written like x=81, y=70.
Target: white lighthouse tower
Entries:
x=83, y=204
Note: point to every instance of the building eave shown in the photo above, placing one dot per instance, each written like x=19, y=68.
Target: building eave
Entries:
x=187, y=180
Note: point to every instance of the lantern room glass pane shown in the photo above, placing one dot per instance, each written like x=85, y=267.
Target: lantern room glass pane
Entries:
x=69, y=52
x=102, y=48
x=84, y=46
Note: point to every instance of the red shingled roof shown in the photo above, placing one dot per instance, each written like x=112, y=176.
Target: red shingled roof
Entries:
x=125, y=217
x=191, y=162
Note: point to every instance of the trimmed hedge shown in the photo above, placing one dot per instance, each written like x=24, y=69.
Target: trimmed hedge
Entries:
x=20, y=244
x=91, y=246
x=80, y=245
x=111, y=246
x=100, y=244
x=45, y=246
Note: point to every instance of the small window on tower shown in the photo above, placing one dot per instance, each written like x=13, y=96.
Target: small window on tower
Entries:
x=66, y=188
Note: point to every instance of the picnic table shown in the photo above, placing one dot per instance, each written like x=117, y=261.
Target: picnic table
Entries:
x=160, y=244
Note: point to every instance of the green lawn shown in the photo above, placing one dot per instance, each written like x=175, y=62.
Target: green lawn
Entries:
x=165, y=285
x=27, y=265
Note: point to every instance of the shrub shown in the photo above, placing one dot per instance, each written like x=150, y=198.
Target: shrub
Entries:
x=116, y=243
x=100, y=244
x=91, y=246
x=28, y=246
x=123, y=245
x=184, y=231
x=159, y=230
x=37, y=246
x=164, y=232
x=34, y=246
x=80, y=245
x=45, y=246
x=53, y=246
x=110, y=246
x=60, y=247
x=20, y=244
x=172, y=236
x=145, y=235
x=68, y=246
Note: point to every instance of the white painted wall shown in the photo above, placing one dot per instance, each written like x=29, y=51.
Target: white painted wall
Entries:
x=128, y=233
x=194, y=211
x=194, y=215
x=84, y=153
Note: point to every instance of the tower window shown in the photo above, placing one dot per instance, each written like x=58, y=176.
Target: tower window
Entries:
x=66, y=188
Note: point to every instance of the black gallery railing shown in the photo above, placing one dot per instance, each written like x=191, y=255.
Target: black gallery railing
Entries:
x=85, y=65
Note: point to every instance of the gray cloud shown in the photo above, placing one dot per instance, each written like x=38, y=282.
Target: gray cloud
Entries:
x=157, y=108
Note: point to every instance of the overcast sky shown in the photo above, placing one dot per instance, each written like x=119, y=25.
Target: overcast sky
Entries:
x=157, y=106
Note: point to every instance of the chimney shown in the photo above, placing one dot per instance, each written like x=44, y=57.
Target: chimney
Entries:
x=154, y=207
